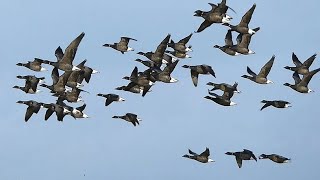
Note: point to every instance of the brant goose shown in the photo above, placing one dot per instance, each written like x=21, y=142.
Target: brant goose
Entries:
x=277, y=104
x=301, y=85
x=74, y=112
x=58, y=85
x=242, y=27
x=34, y=65
x=157, y=56
x=30, y=84
x=203, y=157
x=242, y=47
x=275, y=158
x=227, y=48
x=224, y=87
x=130, y=117
x=140, y=79
x=111, y=98
x=165, y=75
x=181, y=45
x=261, y=78
x=301, y=68
x=132, y=87
x=223, y=100
x=199, y=69
x=216, y=15
x=33, y=107
x=72, y=96
x=60, y=111
x=27, y=89
x=74, y=78
x=244, y=155
x=121, y=46
x=65, y=64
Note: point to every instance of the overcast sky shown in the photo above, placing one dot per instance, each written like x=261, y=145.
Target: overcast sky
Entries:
x=175, y=116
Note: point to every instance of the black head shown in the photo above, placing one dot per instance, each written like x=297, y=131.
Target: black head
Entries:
x=245, y=76
x=263, y=156
x=287, y=84
x=287, y=67
x=141, y=53
x=229, y=153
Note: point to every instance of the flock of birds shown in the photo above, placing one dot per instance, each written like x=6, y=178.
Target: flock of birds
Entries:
x=160, y=65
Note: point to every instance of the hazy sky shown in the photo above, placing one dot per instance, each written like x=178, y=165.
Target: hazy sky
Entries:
x=175, y=116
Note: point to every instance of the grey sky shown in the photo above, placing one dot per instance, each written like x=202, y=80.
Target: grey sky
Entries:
x=175, y=116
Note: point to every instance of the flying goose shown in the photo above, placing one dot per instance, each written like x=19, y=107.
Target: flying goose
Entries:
x=34, y=65
x=216, y=15
x=261, y=78
x=58, y=85
x=181, y=45
x=132, y=87
x=31, y=84
x=199, y=69
x=227, y=48
x=243, y=155
x=33, y=107
x=111, y=98
x=275, y=158
x=203, y=157
x=165, y=75
x=60, y=111
x=150, y=64
x=157, y=56
x=275, y=103
x=223, y=100
x=141, y=80
x=224, y=87
x=242, y=27
x=72, y=96
x=301, y=85
x=301, y=68
x=73, y=79
x=242, y=46
x=65, y=64
x=121, y=46
x=76, y=113
x=130, y=117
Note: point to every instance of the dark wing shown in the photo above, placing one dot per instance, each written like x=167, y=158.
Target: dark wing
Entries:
x=266, y=68
x=309, y=61
x=296, y=78
x=245, y=41
x=239, y=161
x=49, y=112
x=81, y=108
x=266, y=105
x=204, y=25
x=208, y=69
x=251, y=72
x=296, y=60
x=185, y=40
x=247, y=17
x=55, y=75
x=58, y=53
x=145, y=90
x=108, y=101
x=29, y=113
x=194, y=77
x=162, y=46
x=228, y=39
x=192, y=153
x=306, y=78
x=205, y=153
x=170, y=67
x=71, y=50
